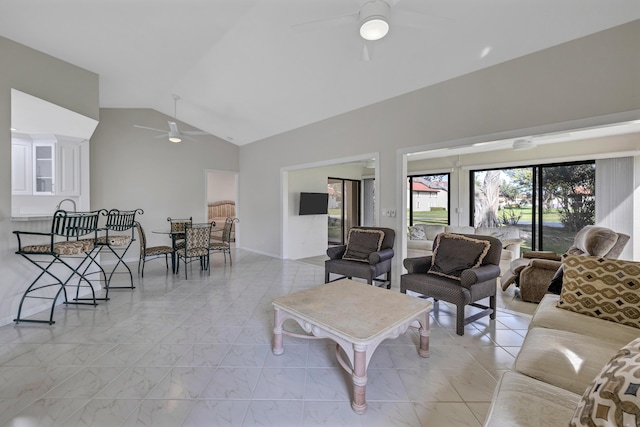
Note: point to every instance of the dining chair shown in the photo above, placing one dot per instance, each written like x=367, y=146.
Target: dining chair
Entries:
x=177, y=230
x=224, y=245
x=197, y=238
x=151, y=252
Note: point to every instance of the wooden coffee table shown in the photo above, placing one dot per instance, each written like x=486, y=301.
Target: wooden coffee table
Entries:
x=358, y=317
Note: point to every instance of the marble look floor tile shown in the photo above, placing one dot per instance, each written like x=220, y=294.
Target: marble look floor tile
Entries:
x=280, y=383
x=231, y=383
x=48, y=412
x=219, y=413
x=198, y=352
x=159, y=413
x=446, y=414
x=183, y=383
x=327, y=384
x=283, y=413
x=133, y=383
x=103, y=413
x=246, y=355
x=86, y=382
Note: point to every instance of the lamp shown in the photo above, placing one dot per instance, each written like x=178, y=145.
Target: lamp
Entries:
x=175, y=137
x=374, y=17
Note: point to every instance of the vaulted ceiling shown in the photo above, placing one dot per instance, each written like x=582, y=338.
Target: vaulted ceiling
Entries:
x=249, y=69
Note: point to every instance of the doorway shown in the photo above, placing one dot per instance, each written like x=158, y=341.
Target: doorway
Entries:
x=344, y=208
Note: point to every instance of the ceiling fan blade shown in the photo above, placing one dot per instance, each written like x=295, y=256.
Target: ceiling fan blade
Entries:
x=367, y=52
x=194, y=132
x=144, y=127
x=324, y=23
x=187, y=137
x=173, y=127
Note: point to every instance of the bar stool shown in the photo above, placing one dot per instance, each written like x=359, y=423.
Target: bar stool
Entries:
x=118, y=244
x=72, y=237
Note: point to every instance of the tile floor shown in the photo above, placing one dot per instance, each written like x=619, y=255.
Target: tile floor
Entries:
x=197, y=352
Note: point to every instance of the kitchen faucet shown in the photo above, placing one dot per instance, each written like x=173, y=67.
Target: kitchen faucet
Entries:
x=67, y=200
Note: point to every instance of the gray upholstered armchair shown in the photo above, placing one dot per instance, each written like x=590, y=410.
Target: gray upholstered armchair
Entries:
x=462, y=270
x=534, y=272
x=367, y=255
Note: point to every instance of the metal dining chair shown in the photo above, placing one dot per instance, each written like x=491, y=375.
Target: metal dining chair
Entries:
x=197, y=238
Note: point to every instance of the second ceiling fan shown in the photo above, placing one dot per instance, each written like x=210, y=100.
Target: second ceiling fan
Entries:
x=174, y=134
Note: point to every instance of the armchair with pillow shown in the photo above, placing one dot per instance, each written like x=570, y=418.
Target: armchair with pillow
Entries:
x=462, y=270
x=367, y=255
x=537, y=270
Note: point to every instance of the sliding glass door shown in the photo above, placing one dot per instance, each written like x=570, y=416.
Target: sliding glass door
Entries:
x=549, y=203
x=344, y=208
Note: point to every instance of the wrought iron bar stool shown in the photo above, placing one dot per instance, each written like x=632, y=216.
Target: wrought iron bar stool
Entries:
x=118, y=244
x=70, y=244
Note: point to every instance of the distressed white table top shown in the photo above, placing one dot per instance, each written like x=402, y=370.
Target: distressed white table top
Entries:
x=356, y=311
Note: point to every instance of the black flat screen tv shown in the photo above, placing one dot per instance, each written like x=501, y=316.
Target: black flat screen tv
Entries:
x=313, y=203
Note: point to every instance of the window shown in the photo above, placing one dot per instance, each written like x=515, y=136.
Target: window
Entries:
x=428, y=199
x=549, y=203
x=344, y=208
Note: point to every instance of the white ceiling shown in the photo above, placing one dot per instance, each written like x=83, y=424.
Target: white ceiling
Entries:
x=246, y=69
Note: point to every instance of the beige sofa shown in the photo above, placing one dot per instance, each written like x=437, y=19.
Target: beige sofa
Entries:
x=509, y=236
x=562, y=354
x=219, y=212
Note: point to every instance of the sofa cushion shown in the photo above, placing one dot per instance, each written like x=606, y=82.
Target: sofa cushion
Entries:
x=361, y=243
x=613, y=397
x=548, y=315
x=454, y=253
x=593, y=240
x=600, y=287
x=522, y=401
x=416, y=232
x=564, y=359
x=460, y=229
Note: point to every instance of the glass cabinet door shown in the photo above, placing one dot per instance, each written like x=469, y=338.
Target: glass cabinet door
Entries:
x=43, y=168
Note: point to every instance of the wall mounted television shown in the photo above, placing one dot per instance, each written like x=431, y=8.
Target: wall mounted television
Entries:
x=313, y=203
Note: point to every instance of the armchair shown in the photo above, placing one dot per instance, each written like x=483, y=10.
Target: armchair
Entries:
x=462, y=270
x=536, y=269
x=367, y=255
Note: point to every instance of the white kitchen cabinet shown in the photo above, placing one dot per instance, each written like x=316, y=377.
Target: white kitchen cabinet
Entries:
x=68, y=168
x=21, y=168
x=44, y=168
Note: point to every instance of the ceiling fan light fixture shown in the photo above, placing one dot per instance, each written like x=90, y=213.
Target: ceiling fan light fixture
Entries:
x=174, y=137
x=374, y=20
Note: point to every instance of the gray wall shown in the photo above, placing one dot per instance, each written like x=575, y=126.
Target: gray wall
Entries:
x=52, y=80
x=591, y=77
x=130, y=169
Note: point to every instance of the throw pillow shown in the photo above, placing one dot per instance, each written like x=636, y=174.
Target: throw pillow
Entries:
x=600, y=287
x=361, y=242
x=417, y=233
x=454, y=253
x=612, y=399
x=555, y=286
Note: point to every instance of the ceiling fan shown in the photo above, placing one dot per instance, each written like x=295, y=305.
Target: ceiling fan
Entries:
x=174, y=134
x=374, y=20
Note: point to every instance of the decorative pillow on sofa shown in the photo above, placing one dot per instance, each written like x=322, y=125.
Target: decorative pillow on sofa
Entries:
x=601, y=287
x=416, y=232
x=361, y=243
x=612, y=399
x=454, y=253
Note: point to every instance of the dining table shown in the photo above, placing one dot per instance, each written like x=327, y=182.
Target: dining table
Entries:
x=175, y=236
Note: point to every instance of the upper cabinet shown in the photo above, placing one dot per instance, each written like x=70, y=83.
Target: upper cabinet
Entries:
x=45, y=166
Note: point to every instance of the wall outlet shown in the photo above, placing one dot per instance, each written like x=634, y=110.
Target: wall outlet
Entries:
x=392, y=213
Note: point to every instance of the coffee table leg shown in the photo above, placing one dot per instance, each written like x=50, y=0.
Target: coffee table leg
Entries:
x=277, y=333
x=359, y=376
x=425, y=331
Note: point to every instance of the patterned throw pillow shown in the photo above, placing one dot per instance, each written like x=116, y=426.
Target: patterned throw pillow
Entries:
x=361, y=243
x=599, y=287
x=612, y=399
x=417, y=233
x=454, y=253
